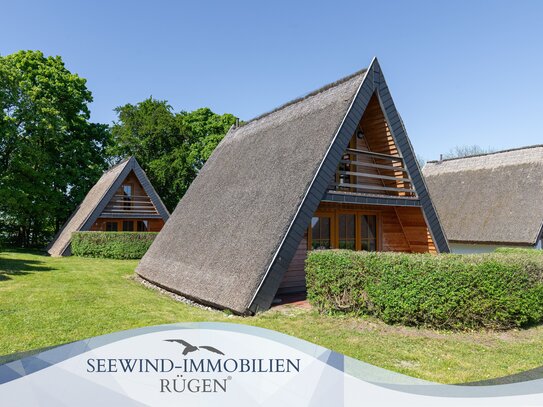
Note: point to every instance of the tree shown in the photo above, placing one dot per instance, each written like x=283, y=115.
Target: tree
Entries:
x=171, y=147
x=50, y=154
x=466, y=151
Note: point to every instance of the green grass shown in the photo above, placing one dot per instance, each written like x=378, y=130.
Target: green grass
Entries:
x=48, y=301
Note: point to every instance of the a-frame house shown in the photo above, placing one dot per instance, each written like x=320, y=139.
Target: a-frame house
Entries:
x=123, y=199
x=334, y=169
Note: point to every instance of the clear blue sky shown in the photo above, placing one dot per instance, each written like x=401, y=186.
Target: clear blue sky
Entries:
x=461, y=72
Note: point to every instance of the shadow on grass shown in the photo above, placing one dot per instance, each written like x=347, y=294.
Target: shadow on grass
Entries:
x=17, y=267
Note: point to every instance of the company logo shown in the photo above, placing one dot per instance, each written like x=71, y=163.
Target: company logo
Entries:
x=195, y=371
x=191, y=348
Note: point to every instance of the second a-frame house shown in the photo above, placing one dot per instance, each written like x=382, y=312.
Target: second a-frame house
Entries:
x=123, y=200
x=334, y=169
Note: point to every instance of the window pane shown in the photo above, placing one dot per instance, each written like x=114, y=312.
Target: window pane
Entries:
x=111, y=226
x=142, y=226
x=369, y=229
x=320, y=233
x=128, y=226
x=369, y=232
x=127, y=190
x=347, y=231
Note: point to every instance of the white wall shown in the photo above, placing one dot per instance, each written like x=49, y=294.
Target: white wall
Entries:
x=465, y=248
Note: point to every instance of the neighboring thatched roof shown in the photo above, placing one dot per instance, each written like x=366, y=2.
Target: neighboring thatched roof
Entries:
x=490, y=198
x=231, y=238
x=97, y=198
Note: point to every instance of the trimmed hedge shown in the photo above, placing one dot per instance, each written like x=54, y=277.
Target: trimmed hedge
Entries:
x=519, y=250
x=112, y=245
x=446, y=291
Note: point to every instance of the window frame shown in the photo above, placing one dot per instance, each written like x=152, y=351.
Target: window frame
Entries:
x=334, y=214
x=111, y=223
x=310, y=230
x=127, y=221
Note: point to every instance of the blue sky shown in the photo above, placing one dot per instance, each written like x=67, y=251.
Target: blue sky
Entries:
x=461, y=72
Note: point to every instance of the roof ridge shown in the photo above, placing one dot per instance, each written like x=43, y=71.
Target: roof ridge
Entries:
x=306, y=96
x=485, y=154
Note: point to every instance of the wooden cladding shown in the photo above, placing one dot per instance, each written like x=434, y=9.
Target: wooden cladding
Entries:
x=130, y=199
x=127, y=225
x=372, y=164
x=397, y=229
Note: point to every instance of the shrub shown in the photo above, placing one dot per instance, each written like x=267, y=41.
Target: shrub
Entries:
x=446, y=291
x=112, y=245
x=519, y=250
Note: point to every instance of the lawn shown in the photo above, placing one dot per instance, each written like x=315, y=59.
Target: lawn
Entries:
x=48, y=301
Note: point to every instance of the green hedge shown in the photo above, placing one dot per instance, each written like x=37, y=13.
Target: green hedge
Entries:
x=519, y=250
x=112, y=245
x=446, y=291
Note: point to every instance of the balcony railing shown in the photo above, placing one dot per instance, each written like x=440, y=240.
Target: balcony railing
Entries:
x=121, y=204
x=368, y=172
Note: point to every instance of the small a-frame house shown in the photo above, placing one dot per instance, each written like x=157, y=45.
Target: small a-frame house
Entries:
x=123, y=199
x=333, y=169
x=490, y=200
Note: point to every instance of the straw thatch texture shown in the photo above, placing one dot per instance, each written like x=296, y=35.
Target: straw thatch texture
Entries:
x=222, y=237
x=491, y=198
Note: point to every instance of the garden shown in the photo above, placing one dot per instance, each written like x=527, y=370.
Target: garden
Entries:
x=430, y=331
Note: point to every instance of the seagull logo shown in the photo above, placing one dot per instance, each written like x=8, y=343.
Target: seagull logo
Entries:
x=191, y=348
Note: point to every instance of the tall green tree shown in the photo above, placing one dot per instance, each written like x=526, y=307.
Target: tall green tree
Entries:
x=171, y=147
x=50, y=154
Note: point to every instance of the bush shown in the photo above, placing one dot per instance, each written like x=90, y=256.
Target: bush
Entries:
x=446, y=291
x=519, y=250
x=112, y=245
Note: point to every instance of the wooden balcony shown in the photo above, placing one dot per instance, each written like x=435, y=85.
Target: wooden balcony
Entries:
x=371, y=173
x=133, y=205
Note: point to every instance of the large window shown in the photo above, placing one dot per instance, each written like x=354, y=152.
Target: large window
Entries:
x=340, y=229
x=347, y=231
x=111, y=227
x=143, y=226
x=128, y=226
x=320, y=232
x=368, y=233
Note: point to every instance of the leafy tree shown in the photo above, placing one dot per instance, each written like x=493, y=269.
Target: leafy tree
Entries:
x=171, y=147
x=466, y=151
x=50, y=154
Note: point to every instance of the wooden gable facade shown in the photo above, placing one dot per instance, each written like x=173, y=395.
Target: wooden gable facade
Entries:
x=372, y=166
x=123, y=199
x=131, y=209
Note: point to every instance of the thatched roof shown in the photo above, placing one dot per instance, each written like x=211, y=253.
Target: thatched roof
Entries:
x=232, y=236
x=490, y=198
x=97, y=198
